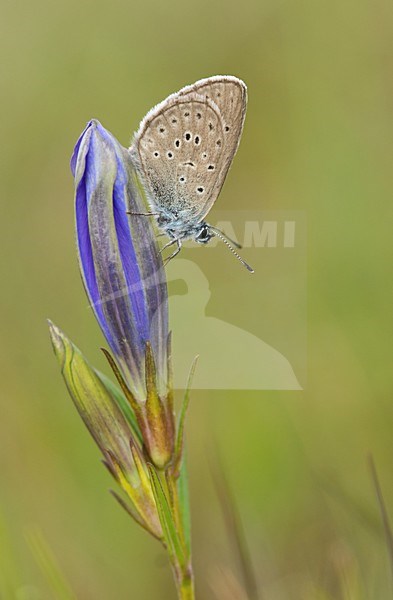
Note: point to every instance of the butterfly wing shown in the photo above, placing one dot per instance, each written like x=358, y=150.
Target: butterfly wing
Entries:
x=186, y=144
x=178, y=150
x=230, y=95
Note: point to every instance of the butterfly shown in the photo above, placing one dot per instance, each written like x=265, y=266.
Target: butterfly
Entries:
x=183, y=150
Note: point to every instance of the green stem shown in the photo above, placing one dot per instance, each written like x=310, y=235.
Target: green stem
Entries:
x=186, y=587
x=184, y=577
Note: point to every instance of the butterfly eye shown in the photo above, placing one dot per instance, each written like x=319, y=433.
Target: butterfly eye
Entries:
x=200, y=190
x=204, y=235
x=188, y=136
x=197, y=140
x=210, y=168
x=169, y=155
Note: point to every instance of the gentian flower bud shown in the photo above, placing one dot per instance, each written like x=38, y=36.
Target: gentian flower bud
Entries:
x=123, y=274
x=116, y=438
x=124, y=278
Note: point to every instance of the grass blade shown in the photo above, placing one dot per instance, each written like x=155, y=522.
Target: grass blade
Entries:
x=48, y=565
x=383, y=510
x=171, y=536
x=182, y=418
x=235, y=528
x=184, y=503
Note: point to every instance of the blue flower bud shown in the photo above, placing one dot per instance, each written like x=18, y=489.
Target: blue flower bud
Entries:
x=119, y=259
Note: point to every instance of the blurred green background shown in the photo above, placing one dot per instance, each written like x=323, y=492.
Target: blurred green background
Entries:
x=318, y=138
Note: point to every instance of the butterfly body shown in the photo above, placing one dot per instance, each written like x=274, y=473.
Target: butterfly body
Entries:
x=175, y=228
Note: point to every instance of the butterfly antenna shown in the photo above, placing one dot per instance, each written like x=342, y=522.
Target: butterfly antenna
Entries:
x=224, y=239
x=236, y=244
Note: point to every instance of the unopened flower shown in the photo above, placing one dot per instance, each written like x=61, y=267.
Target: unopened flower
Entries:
x=124, y=278
x=118, y=441
x=119, y=259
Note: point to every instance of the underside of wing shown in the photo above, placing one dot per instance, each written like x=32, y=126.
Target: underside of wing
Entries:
x=230, y=95
x=179, y=149
x=185, y=145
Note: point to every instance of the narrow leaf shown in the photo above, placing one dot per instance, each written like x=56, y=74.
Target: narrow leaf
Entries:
x=170, y=394
x=122, y=403
x=150, y=371
x=171, y=535
x=383, y=511
x=184, y=503
x=132, y=512
x=182, y=418
x=126, y=391
x=235, y=527
x=48, y=565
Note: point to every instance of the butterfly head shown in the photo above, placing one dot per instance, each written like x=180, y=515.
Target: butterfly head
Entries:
x=204, y=234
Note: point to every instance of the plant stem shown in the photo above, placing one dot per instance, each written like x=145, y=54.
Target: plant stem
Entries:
x=186, y=588
x=184, y=577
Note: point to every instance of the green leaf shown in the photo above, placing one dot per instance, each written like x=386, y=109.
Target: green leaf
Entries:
x=171, y=535
x=184, y=503
x=122, y=403
x=126, y=391
x=45, y=558
x=182, y=419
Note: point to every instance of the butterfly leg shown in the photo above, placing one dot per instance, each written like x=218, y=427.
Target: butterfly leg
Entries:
x=179, y=246
x=167, y=245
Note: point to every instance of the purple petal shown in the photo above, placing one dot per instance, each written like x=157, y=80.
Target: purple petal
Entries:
x=121, y=267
